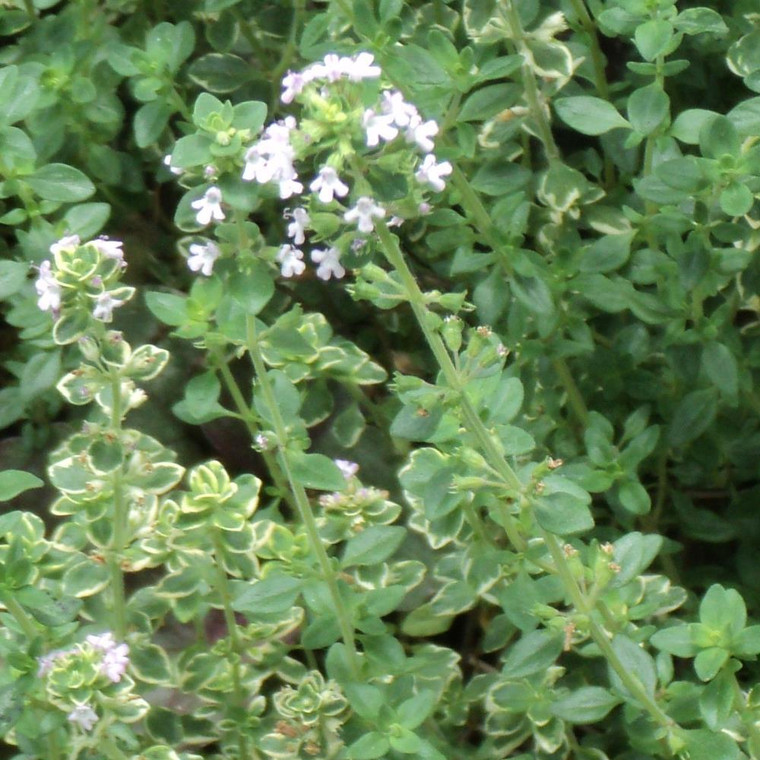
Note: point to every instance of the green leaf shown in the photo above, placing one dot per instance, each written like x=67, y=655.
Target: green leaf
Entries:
x=371, y=746
x=716, y=702
x=12, y=277
x=150, y=664
x=533, y=653
x=634, y=552
x=373, y=545
x=366, y=700
x=689, y=123
x=201, y=402
x=648, y=108
x=85, y=579
x=18, y=94
x=702, y=744
x=719, y=137
x=608, y=253
x=486, y=102
x=720, y=366
x=14, y=482
x=40, y=374
x=252, y=289
x=48, y=611
x=563, y=507
x=589, y=116
x=692, y=416
x=653, y=37
x=723, y=609
x=709, y=661
x=316, y=471
x=169, y=308
x=587, y=704
x=676, y=640
x=150, y=121
x=273, y=594
x=736, y=199
x=12, y=705
x=220, y=72
x=87, y=219
x=700, y=21
x=59, y=182
x=637, y=662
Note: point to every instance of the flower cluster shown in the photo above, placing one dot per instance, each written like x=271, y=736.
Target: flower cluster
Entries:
x=74, y=677
x=82, y=278
x=335, y=110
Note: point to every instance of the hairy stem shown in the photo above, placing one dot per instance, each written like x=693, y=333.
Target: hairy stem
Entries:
x=301, y=500
x=223, y=589
x=118, y=596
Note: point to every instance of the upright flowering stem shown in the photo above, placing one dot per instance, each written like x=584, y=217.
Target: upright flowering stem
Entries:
x=301, y=499
x=118, y=600
x=223, y=589
x=532, y=94
x=453, y=378
x=498, y=462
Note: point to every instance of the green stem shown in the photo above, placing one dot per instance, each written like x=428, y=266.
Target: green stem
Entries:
x=28, y=626
x=600, y=75
x=247, y=32
x=302, y=504
x=574, y=397
x=250, y=420
x=110, y=749
x=223, y=589
x=286, y=56
x=453, y=379
x=29, y=6
x=474, y=207
x=530, y=84
x=631, y=682
x=118, y=598
x=498, y=463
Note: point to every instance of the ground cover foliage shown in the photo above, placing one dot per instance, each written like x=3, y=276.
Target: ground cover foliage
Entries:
x=378, y=379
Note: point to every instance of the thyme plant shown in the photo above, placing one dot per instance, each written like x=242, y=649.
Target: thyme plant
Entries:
x=458, y=302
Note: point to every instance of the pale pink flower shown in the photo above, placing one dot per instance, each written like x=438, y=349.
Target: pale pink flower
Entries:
x=422, y=133
x=290, y=260
x=394, y=105
x=48, y=289
x=83, y=716
x=349, y=469
x=431, y=173
x=209, y=206
x=378, y=127
x=328, y=184
x=297, y=227
x=361, y=67
x=202, y=257
x=363, y=212
x=111, y=249
x=104, y=306
x=329, y=264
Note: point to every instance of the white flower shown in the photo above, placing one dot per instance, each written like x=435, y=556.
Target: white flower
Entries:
x=333, y=67
x=292, y=84
x=209, y=206
x=115, y=662
x=48, y=289
x=289, y=187
x=378, y=127
x=363, y=212
x=202, y=257
x=431, y=172
x=329, y=264
x=395, y=221
x=290, y=261
x=349, y=469
x=66, y=244
x=361, y=67
x=111, y=249
x=83, y=716
x=297, y=227
x=271, y=159
x=328, y=184
x=104, y=306
x=394, y=105
x=103, y=642
x=421, y=133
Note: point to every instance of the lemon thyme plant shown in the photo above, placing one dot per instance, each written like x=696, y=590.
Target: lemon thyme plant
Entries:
x=474, y=285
